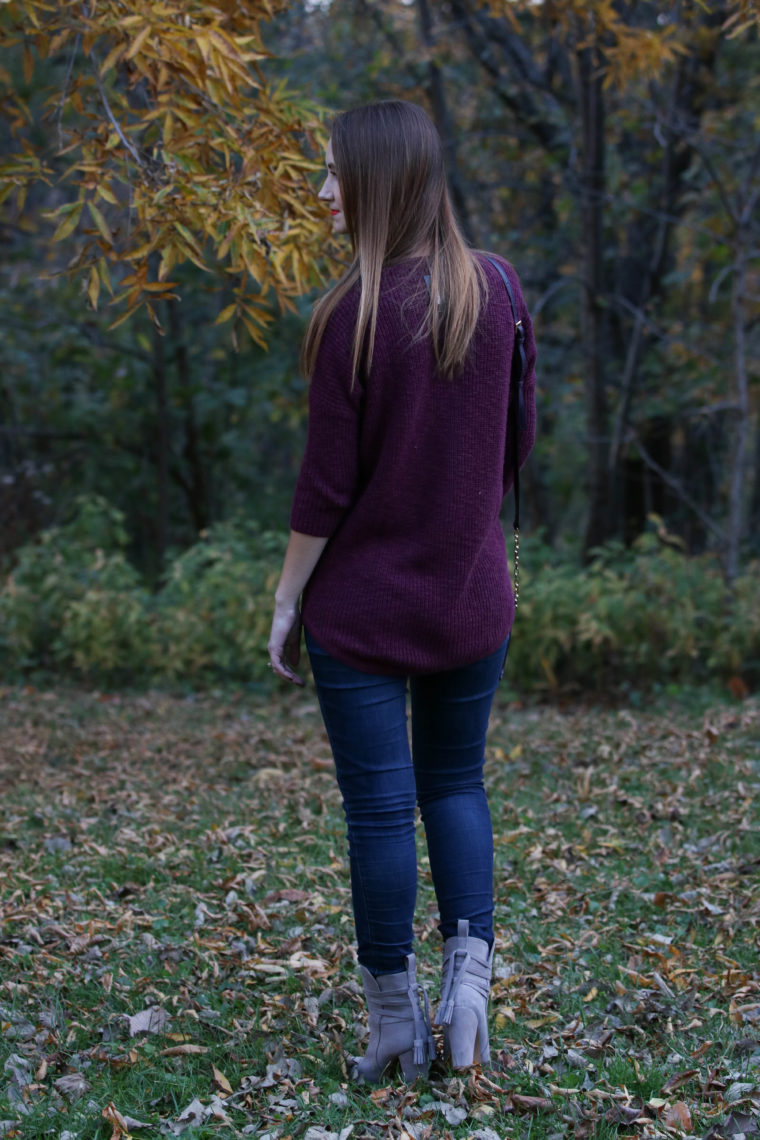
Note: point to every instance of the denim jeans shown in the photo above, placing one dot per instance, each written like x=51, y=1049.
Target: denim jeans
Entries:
x=381, y=782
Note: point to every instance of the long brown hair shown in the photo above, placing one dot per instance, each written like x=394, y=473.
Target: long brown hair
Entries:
x=392, y=179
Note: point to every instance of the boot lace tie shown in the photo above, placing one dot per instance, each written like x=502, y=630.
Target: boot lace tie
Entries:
x=424, y=1045
x=452, y=980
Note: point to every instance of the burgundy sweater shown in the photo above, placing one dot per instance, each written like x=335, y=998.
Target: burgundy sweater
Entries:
x=405, y=473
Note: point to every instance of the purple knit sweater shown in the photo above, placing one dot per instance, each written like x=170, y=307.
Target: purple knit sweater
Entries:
x=405, y=473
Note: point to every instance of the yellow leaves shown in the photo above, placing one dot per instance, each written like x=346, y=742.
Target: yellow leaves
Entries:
x=70, y=222
x=227, y=313
x=112, y=58
x=204, y=169
x=100, y=222
x=93, y=289
x=137, y=44
x=639, y=52
x=106, y=193
x=746, y=15
x=225, y=45
x=189, y=249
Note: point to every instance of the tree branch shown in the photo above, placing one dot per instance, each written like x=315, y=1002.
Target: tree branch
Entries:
x=677, y=487
x=65, y=89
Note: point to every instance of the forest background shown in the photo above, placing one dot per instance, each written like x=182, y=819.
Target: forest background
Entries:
x=162, y=246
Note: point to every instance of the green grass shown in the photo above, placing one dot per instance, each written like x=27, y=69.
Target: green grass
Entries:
x=187, y=853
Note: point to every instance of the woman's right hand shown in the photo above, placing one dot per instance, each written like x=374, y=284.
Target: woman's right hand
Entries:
x=285, y=642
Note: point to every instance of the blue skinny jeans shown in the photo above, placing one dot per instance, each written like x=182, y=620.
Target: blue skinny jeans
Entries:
x=382, y=781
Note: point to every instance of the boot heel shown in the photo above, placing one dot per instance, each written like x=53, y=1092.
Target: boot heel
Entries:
x=461, y=1038
x=482, y=1044
x=409, y=1068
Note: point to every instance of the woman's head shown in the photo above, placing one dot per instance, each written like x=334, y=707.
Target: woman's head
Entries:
x=386, y=185
x=388, y=161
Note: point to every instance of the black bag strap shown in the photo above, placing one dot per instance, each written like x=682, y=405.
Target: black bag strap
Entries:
x=517, y=408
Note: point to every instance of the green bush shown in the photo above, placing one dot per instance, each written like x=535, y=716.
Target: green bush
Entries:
x=213, y=614
x=61, y=605
x=634, y=617
x=74, y=602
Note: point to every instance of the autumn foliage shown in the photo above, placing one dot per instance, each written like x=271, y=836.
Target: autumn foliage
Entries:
x=171, y=144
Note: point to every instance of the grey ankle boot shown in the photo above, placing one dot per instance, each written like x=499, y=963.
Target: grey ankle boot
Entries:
x=464, y=998
x=399, y=1027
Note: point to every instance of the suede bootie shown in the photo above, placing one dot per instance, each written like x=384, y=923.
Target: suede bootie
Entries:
x=399, y=1026
x=464, y=998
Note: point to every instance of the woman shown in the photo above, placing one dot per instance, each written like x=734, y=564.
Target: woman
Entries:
x=397, y=548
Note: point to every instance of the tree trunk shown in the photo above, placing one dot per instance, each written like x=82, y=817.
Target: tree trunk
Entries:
x=741, y=438
x=162, y=447
x=443, y=122
x=196, y=488
x=754, y=519
x=598, y=527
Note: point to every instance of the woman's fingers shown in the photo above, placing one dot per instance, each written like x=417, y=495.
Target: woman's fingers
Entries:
x=285, y=646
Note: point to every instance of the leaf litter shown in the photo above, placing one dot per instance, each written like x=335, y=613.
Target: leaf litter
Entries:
x=175, y=949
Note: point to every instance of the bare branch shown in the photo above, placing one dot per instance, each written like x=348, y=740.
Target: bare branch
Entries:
x=677, y=487
x=65, y=89
x=112, y=118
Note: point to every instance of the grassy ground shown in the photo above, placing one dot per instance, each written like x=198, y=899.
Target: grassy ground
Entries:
x=175, y=948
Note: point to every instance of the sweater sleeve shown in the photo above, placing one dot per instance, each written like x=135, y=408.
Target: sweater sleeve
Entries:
x=329, y=476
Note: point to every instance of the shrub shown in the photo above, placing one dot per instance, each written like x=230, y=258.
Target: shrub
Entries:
x=50, y=601
x=214, y=612
x=632, y=618
x=73, y=601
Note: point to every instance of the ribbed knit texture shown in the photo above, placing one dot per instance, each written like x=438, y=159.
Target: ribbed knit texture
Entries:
x=405, y=473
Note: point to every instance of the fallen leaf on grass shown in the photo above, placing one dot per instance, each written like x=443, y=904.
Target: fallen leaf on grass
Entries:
x=197, y=1113
x=286, y=895
x=285, y=1068
x=316, y=1133
x=739, y=1090
x=678, y=1080
x=221, y=1082
x=735, y=1125
x=450, y=1113
x=122, y=1125
x=184, y=1051
x=190, y=1117
x=152, y=1020
x=72, y=1086
x=677, y=1116
x=624, y=1114
x=530, y=1103
x=20, y=1070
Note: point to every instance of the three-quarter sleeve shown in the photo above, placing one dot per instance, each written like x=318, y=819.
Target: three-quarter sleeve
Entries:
x=328, y=480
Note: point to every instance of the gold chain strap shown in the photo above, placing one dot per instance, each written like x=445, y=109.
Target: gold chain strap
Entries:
x=517, y=567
